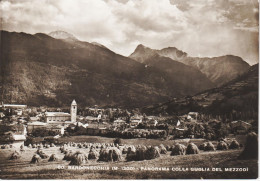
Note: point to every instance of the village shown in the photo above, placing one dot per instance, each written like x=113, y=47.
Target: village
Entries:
x=21, y=124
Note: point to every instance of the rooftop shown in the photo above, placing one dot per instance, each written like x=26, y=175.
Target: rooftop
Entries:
x=56, y=114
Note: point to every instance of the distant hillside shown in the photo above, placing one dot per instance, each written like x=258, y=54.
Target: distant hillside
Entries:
x=42, y=70
x=238, y=96
x=218, y=69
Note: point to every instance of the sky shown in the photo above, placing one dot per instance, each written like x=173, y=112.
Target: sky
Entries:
x=202, y=28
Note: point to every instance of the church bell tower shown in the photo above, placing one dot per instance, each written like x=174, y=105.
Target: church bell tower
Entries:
x=73, y=111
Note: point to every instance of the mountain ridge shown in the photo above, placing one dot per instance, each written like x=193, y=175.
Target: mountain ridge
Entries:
x=218, y=69
x=41, y=70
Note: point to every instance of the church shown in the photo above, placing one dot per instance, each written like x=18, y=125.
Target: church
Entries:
x=62, y=118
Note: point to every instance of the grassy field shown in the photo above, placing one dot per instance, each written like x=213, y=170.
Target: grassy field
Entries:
x=22, y=169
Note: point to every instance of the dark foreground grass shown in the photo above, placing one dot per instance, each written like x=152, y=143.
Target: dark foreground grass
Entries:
x=222, y=159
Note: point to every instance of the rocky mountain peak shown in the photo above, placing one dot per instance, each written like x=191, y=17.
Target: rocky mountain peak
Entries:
x=62, y=35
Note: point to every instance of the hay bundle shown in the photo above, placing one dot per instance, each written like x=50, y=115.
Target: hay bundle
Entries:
x=209, y=147
x=39, y=151
x=112, y=154
x=103, y=155
x=5, y=146
x=34, y=146
x=168, y=147
x=124, y=151
x=116, y=154
x=78, y=159
x=203, y=146
x=52, y=145
x=15, y=155
x=62, y=149
x=35, y=159
x=234, y=145
x=68, y=156
x=29, y=146
x=192, y=149
x=53, y=158
x=131, y=153
x=152, y=153
x=179, y=149
x=251, y=147
x=43, y=155
x=162, y=148
x=222, y=145
x=140, y=153
x=80, y=145
x=47, y=146
x=93, y=154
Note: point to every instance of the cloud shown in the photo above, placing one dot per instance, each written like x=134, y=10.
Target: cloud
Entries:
x=199, y=27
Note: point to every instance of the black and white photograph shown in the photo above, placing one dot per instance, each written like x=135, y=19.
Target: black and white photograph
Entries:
x=129, y=89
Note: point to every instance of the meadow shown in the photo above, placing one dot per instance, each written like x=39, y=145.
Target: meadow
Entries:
x=23, y=169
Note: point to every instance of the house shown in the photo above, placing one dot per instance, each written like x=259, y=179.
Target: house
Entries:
x=178, y=132
x=62, y=117
x=192, y=116
x=18, y=140
x=152, y=122
x=34, y=119
x=56, y=117
x=240, y=127
x=35, y=125
x=119, y=122
x=16, y=136
x=135, y=120
x=56, y=128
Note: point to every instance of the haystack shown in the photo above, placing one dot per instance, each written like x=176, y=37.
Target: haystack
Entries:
x=5, y=146
x=111, y=154
x=124, y=151
x=43, y=155
x=39, y=151
x=52, y=145
x=168, y=147
x=209, y=147
x=35, y=159
x=234, y=145
x=103, y=155
x=62, y=149
x=222, y=145
x=162, y=148
x=29, y=146
x=152, y=153
x=131, y=153
x=78, y=159
x=53, y=158
x=34, y=146
x=251, y=147
x=179, y=149
x=15, y=155
x=93, y=154
x=140, y=153
x=116, y=154
x=68, y=156
x=203, y=146
x=192, y=149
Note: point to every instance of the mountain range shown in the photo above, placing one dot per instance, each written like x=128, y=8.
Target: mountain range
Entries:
x=53, y=69
x=218, y=70
x=237, y=96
